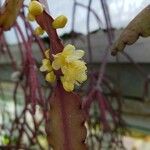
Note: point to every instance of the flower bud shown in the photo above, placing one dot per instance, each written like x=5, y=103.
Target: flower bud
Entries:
x=35, y=8
x=59, y=22
x=39, y=31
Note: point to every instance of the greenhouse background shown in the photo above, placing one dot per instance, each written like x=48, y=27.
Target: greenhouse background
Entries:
x=93, y=26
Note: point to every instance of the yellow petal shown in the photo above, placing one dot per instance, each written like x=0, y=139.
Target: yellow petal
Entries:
x=46, y=65
x=78, y=54
x=68, y=86
x=46, y=61
x=68, y=50
x=42, y=68
x=56, y=64
x=51, y=77
x=64, y=69
x=82, y=77
x=47, y=52
x=57, y=55
x=35, y=8
x=59, y=22
x=78, y=64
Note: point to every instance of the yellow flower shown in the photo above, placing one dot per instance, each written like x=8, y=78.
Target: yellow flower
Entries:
x=50, y=77
x=59, y=22
x=46, y=65
x=74, y=74
x=73, y=69
x=35, y=8
x=69, y=61
x=39, y=31
x=68, y=55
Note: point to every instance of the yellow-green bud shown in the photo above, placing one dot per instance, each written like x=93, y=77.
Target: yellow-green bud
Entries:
x=59, y=22
x=35, y=8
x=39, y=31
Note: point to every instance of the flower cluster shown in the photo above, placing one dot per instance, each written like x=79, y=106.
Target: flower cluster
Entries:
x=68, y=61
x=72, y=67
x=47, y=67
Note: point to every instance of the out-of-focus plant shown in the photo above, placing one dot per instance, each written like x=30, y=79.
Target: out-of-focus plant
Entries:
x=139, y=26
x=10, y=10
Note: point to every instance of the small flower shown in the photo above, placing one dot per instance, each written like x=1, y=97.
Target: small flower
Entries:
x=73, y=69
x=68, y=55
x=50, y=77
x=46, y=65
x=39, y=31
x=59, y=22
x=35, y=8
